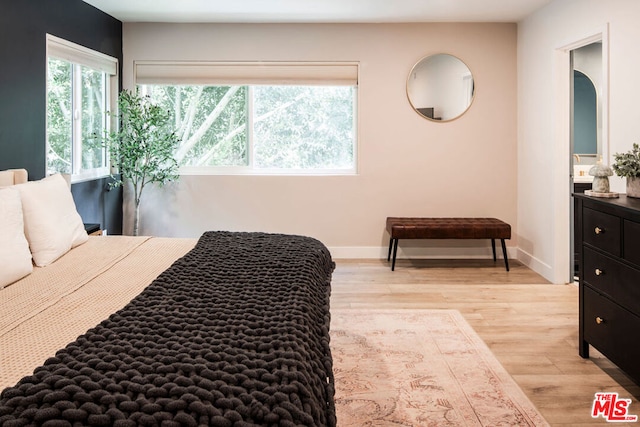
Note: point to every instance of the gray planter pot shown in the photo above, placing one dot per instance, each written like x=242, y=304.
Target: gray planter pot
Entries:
x=633, y=187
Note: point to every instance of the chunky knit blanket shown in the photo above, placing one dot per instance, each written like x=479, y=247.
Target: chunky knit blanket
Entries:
x=235, y=333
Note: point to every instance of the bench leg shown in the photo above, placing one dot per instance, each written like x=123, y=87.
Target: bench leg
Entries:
x=504, y=253
x=395, y=251
x=390, y=246
x=493, y=247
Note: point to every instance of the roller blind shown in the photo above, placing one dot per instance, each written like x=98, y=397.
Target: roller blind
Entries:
x=243, y=73
x=77, y=54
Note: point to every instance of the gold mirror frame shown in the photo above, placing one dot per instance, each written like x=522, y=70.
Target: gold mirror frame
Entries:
x=440, y=87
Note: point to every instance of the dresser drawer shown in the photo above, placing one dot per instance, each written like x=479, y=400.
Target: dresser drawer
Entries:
x=611, y=277
x=601, y=230
x=632, y=241
x=612, y=330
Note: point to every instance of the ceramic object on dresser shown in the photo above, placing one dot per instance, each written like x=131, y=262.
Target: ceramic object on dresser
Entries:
x=600, y=185
x=601, y=174
x=633, y=187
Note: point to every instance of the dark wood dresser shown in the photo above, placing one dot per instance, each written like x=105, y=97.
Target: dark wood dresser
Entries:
x=578, y=187
x=609, y=235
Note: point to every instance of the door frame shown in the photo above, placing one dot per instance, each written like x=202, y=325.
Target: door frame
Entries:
x=563, y=174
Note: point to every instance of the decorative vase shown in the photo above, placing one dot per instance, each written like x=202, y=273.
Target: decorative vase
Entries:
x=601, y=174
x=633, y=187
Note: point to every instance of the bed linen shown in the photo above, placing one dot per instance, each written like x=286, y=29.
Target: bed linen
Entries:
x=51, y=307
x=235, y=332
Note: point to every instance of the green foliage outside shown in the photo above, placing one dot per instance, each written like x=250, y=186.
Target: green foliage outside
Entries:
x=59, y=114
x=210, y=122
x=87, y=103
x=303, y=127
x=627, y=164
x=293, y=127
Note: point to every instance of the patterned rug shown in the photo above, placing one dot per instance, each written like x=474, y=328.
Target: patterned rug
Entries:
x=420, y=368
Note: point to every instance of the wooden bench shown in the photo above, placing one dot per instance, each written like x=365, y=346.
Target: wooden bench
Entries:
x=447, y=228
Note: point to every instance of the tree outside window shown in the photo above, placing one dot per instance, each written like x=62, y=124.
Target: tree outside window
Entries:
x=284, y=128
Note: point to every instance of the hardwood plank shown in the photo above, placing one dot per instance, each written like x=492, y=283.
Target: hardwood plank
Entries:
x=529, y=324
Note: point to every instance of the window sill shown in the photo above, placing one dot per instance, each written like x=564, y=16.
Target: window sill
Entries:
x=240, y=171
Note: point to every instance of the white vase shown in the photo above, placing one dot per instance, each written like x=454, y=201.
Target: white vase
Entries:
x=633, y=187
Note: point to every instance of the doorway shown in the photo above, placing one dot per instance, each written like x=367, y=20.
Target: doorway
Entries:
x=567, y=56
x=586, y=128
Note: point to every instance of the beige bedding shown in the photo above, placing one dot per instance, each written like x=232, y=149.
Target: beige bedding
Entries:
x=52, y=306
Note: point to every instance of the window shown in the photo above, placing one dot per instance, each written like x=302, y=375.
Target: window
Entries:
x=258, y=118
x=80, y=86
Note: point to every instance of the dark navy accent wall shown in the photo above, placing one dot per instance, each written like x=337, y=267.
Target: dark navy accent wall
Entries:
x=23, y=28
x=97, y=203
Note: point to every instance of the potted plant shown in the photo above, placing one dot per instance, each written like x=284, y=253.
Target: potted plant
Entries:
x=628, y=165
x=142, y=149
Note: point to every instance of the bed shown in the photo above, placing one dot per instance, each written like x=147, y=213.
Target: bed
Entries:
x=231, y=329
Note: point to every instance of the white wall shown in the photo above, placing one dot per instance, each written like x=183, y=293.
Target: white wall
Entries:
x=543, y=154
x=408, y=166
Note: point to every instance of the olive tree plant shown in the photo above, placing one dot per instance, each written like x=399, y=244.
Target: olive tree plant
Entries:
x=628, y=164
x=142, y=148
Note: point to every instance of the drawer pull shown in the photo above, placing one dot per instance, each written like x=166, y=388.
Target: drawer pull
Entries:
x=599, y=272
x=599, y=230
x=599, y=320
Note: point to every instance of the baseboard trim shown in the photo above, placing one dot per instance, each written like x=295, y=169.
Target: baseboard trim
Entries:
x=535, y=264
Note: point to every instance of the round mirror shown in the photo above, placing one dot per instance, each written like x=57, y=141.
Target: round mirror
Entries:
x=440, y=87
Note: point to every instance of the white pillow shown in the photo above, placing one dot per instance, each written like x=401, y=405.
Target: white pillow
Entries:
x=15, y=258
x=51, y=223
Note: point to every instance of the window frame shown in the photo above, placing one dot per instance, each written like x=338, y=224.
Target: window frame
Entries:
x=251, y=74
x=79, y=56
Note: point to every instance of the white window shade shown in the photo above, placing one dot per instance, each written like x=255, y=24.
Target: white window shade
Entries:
x=246, y=73
x=76, y=54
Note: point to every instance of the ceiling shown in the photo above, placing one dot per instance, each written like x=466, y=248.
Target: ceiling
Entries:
x=322, y=11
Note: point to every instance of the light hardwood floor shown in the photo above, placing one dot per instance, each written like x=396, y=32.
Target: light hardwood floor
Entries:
x=530, y=325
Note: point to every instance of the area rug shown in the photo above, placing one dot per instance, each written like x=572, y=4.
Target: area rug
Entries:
x=420, y=368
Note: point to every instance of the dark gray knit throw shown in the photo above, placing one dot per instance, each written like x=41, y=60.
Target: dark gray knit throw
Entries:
x=235, y=333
